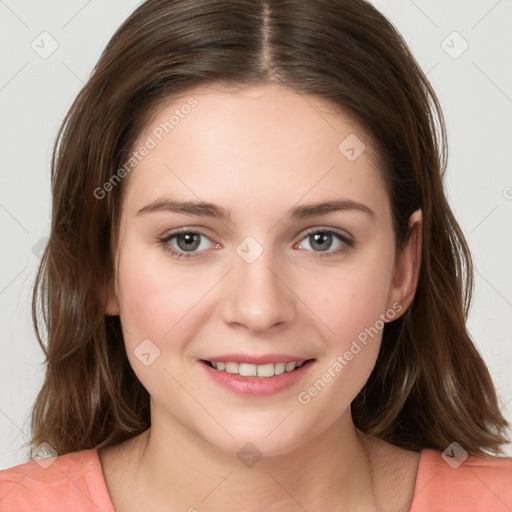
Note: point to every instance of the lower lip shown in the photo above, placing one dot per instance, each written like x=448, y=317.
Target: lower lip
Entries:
x=257, y=386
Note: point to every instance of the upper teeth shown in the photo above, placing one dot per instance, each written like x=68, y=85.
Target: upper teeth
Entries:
x=253, y=370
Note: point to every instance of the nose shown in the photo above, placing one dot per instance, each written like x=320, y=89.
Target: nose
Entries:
x=257, y=296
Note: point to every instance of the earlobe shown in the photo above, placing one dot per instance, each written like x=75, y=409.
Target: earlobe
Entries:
x=407, y=265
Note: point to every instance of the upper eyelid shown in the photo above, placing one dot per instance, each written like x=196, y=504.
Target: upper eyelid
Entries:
x=337, y=231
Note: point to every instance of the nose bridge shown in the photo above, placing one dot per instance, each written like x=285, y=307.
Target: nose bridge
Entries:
x=257, y=297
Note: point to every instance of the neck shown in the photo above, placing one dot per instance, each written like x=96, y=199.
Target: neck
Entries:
x=332, y=471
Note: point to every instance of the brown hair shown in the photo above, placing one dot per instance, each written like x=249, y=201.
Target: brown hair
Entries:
x=429, y=386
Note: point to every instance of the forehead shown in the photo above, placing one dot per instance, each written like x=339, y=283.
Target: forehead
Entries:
x=260, y=144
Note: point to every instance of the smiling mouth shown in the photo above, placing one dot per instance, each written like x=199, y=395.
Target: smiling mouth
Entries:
x=256, y=370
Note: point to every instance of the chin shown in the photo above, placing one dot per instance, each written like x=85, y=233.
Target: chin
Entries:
x=259, y=440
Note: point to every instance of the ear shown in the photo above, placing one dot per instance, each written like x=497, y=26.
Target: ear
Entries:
x=112, y=307
x=407, y=265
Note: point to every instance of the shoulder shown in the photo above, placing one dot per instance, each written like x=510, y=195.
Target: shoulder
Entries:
x=71, y=480
x=451, y=480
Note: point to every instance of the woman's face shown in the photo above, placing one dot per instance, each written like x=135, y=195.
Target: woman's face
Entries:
x=257, y=275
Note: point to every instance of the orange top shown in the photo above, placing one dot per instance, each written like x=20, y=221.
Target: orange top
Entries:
x=75, y=483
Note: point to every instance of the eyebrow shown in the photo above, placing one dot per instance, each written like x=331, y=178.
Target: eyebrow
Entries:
x=207, y=209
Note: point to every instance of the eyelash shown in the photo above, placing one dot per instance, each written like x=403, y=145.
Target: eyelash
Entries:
x=346, y=240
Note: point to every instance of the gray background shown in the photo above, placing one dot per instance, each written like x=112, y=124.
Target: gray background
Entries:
x=36, y=89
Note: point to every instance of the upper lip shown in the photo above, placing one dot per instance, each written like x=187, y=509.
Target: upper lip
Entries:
x=257, y=359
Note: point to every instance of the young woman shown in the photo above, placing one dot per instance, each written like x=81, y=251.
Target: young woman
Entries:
x=254, y=291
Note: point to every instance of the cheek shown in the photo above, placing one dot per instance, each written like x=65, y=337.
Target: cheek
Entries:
x=355, y=298
x=151, y=298
x=352, y=307
x=352, y=310
x=154, y=302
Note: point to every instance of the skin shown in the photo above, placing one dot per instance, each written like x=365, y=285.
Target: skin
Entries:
x=257, y=152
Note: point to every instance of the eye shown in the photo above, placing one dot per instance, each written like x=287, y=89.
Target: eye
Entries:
x=185, y=243
x=322, y=240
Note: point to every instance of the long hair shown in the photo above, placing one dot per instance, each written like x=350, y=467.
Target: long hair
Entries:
x=429, y=386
